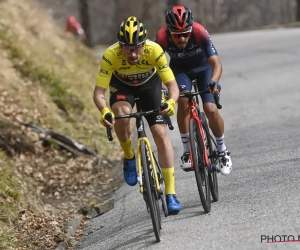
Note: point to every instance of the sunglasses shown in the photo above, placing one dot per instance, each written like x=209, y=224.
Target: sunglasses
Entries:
x=132, y=48
x=178, y=34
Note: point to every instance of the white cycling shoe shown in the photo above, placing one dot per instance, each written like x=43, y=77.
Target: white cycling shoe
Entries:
x=225, y=162
x=186, y=162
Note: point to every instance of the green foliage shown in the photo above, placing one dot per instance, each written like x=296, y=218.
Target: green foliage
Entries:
x=52, y=83
x=9, y=201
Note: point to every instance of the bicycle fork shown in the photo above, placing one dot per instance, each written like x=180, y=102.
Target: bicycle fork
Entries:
x=152, y=164
x=206, y=157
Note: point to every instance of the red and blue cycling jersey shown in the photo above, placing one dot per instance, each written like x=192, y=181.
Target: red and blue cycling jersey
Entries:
x=198, y=49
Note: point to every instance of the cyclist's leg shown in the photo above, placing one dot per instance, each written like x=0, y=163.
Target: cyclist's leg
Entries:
x=150, y=98
x=216, y=122
x=122, y=102
x=183, y=117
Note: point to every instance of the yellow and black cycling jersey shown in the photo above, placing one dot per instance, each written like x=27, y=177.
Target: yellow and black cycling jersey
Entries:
x=152, y=60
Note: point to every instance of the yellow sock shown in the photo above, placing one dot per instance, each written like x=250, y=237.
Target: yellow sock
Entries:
x=169, y=178
x=127, y=148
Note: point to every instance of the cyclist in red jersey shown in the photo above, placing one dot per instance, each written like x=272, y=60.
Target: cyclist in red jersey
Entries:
x=193, y=56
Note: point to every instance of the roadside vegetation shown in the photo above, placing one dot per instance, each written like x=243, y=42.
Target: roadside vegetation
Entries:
x=47, y=78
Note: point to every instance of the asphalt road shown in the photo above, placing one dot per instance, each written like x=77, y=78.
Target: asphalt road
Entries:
x=260, y=97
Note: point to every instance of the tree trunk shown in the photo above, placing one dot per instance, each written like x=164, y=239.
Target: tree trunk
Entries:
x=201, y=9
x=298, y=11
x=85, y=20
x=266, y=13
x=213, y=12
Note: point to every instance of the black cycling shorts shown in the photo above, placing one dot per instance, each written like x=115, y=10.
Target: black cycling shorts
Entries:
x=201, y=74
x=149, y=94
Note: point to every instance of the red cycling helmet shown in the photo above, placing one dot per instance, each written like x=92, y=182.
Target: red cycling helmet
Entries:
x=179, y=18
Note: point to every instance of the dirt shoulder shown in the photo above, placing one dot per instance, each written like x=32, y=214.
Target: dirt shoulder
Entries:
x=55, y=187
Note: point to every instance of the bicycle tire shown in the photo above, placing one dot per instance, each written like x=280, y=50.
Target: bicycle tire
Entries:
x=212, y=177
x=147, y=187
x=161, y=195
x=201, y=171
x=154, y=192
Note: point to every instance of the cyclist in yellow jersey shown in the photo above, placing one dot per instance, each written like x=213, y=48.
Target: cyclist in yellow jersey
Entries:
x=134, y=67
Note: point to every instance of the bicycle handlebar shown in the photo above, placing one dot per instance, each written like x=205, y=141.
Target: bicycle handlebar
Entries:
x=108, y=117
x=189, y=95
x=169, y=122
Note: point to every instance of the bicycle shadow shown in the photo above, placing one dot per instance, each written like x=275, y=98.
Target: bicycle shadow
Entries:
x=189, y=214
x=186, y=214
x=141, y=241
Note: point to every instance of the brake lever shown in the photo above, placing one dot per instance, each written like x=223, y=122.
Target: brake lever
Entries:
x=164, y=106
x=108, y=117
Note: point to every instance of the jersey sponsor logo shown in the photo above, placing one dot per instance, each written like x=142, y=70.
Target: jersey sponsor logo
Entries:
x=146, y=51
x=213, y=48
x=193, y=46
x=119, y=53
x=123, y=62
x=121, y=98
x=106, y=60
x=211, y=44
x=145, y=62
x=135, y=79
x=159, y=118
x=160, y=68
x=160, y=56
x=208, y=34
x=185, y=54
x=124, y=68
x=103, y=72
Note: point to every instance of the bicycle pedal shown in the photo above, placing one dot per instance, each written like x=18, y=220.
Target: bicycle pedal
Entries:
x=213, y=168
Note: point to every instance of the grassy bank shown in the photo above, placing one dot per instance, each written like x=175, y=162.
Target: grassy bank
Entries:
x=47, y=78
x=9, y=201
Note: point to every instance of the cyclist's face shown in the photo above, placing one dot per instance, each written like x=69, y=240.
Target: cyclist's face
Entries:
x=132, y=53
x=181, y=38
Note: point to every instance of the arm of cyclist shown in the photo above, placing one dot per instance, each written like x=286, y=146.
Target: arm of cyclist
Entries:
x=203, y=38
x=173, y=95
x=100, y=101
x=168, y=79
x=102, y=84
x=214, y=86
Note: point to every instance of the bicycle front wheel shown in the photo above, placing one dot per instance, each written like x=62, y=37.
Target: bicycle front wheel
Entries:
x=148, y=190
x=211, y=148
x=201, y=171
x=161, y=195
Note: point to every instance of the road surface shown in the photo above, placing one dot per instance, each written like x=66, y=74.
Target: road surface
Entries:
x=260, y=199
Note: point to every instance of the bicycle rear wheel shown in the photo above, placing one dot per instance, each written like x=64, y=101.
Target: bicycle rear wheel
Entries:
x=201, y=171
x=148, y=189
x=212, y=176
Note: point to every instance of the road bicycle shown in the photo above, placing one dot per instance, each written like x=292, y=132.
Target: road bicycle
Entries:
x=203, y=153
x=149, y=172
